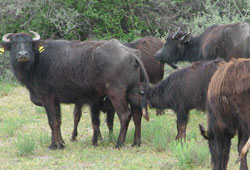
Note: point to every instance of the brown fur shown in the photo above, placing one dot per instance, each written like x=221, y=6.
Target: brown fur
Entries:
x=229, y=110
x=183, y=91
x=148, y=47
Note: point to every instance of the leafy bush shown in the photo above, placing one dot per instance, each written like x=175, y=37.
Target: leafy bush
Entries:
x=106, y=19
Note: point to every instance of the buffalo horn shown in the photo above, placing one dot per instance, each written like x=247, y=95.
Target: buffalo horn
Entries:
x=244, y=150
x=5, y=37
x=176, y=33
x=183, y=38
x=37, y=36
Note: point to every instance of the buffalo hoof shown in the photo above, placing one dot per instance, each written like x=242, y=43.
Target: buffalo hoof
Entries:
x=54, y=146
x=73, y=139
x=180, y=139
x=136, y=144
x=100, y=138
x=95, y=144
x=119, y=145
x=159, y=112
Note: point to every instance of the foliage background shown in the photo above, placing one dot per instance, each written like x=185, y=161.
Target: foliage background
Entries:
x=125, y=20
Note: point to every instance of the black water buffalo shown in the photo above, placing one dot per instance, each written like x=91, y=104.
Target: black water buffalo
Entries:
x=148, y=46
x=184, y=90
x=228, y=112
x=224, y=41
x=59, y=71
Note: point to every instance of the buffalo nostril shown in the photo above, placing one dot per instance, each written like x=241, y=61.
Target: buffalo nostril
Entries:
x=22, y=53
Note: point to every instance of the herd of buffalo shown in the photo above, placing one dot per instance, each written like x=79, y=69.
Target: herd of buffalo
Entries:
x=111, y=76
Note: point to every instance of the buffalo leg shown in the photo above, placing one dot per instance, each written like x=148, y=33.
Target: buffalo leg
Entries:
x=95, y=119
x=120, y=104
x=110, y=123
x=182, y=119
x=137, y=115
x=77, y=116
x=242, y=139
x=54, y=118
x=220, y=155
x=124, y=121
x=134, y=99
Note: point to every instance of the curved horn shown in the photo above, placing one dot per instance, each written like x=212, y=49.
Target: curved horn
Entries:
x=174, y=36
x=184, y=37
x=244, y=150
x=5, y=37
x=37, y=36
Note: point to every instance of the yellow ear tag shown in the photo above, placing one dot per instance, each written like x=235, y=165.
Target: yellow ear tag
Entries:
x=206, y=134
x=1, y=50
x=148, y=107
x=41, y=49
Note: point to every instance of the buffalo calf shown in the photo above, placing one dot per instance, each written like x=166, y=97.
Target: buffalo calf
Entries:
x=184, y=90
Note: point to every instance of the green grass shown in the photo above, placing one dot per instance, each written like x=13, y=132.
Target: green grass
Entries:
x=5, y=88
x=27, y=147
x=40, y=110
x=191, y=154
x=44, y=139
x=25, y=144
x=10, y=125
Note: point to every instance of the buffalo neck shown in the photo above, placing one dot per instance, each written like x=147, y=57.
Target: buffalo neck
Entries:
x=157, y=95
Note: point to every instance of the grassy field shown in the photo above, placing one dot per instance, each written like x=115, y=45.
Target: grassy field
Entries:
x=25, y=136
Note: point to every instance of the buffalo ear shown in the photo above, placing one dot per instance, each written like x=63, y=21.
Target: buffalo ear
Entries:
x=4, y=46
x=204, y=132
x=38, y=45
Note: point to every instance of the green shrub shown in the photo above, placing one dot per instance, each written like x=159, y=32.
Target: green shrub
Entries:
x=25, y=145
x=191, y=153
x=216, y=12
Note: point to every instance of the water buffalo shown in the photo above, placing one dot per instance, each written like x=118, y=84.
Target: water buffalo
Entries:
x=224, y=40
x=184, y=90
x=59, y=71
x=148, y=46
x=228, y=112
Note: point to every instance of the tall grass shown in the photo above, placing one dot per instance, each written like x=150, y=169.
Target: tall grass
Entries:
x=44, y=139
x=159, y=132
x=191, y=154
x=9, y=126
x=25, y=144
